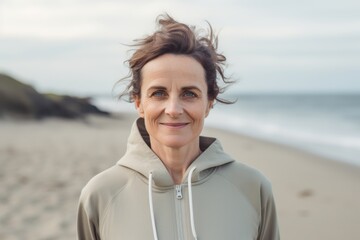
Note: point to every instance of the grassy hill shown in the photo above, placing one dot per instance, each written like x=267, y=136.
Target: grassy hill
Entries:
x=20, y=100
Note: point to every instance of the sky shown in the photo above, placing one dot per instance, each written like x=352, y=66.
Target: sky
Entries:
x=79, y=46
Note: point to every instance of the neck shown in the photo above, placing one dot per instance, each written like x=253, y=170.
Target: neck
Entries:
x=176, y=160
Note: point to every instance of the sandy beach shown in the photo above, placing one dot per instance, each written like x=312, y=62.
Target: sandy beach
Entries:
x=44, y=165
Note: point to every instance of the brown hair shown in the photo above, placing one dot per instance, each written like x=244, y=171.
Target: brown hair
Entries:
x=177, y=38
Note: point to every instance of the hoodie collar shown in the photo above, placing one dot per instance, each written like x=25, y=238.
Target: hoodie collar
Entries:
x=140, y=158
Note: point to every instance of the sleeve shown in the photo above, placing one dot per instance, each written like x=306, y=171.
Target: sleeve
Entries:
x=87, y=225
x=268, y=229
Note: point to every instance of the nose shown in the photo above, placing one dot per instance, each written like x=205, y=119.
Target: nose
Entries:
x=174, y=107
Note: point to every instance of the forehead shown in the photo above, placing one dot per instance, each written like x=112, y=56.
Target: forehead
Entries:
x=172, y=68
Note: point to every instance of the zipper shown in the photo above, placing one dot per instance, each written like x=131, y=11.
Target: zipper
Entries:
x=178, y=190
x=179, y=211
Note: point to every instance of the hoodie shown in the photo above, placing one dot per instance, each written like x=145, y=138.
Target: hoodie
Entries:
x=136, y=199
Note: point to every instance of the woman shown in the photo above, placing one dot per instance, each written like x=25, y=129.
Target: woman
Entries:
x=171, y=183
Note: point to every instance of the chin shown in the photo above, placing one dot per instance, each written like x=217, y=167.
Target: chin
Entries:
x=176, y=142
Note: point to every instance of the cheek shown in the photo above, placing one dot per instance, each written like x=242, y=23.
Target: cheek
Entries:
x=208, y=108
x=199, y=112
x=150, y=109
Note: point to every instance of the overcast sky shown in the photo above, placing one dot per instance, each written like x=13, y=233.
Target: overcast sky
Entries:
x=75, y=46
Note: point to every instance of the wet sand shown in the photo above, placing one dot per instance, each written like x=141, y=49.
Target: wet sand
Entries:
x=45, y=164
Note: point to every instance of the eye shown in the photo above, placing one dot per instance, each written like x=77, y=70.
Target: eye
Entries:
x=158, y=94
x=189, y=94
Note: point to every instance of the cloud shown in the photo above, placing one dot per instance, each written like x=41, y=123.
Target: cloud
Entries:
x=63, y=44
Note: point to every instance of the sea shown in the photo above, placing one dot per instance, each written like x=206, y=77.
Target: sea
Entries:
x=324, y=124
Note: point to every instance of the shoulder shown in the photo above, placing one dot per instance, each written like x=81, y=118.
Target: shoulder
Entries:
x=245, y=177
x=99, y=191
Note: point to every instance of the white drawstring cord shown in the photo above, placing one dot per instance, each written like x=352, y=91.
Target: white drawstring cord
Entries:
x=191, y=204
x=152, y=207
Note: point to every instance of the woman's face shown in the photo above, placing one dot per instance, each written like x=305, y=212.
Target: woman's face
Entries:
x=174, y=101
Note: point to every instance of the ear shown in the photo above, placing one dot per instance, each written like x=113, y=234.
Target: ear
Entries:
x=209, y=107
x=139, y=107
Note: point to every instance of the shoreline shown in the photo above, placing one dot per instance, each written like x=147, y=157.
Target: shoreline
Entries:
x=325, y=159
x=46, y=163
x=352, y=160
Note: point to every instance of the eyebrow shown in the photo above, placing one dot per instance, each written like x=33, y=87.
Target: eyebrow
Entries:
x=193, y=87
x=152, y=88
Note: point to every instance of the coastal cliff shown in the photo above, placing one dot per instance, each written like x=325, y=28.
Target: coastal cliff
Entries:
x=19, y=100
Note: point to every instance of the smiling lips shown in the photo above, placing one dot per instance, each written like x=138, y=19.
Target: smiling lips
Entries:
x=175, y=125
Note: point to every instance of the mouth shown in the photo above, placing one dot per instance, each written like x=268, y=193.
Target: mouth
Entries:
x=174, y=125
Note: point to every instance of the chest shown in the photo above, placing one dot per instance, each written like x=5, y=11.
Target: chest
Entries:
x=218, y=213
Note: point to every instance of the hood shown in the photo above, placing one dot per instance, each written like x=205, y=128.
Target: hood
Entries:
x=140, y=158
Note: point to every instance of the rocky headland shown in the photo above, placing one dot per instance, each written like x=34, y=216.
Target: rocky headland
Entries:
x=20, y=100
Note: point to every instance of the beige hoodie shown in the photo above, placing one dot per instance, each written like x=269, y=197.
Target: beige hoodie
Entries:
x=220, y=199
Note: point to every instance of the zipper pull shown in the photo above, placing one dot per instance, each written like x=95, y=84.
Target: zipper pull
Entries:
x=178, y=192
